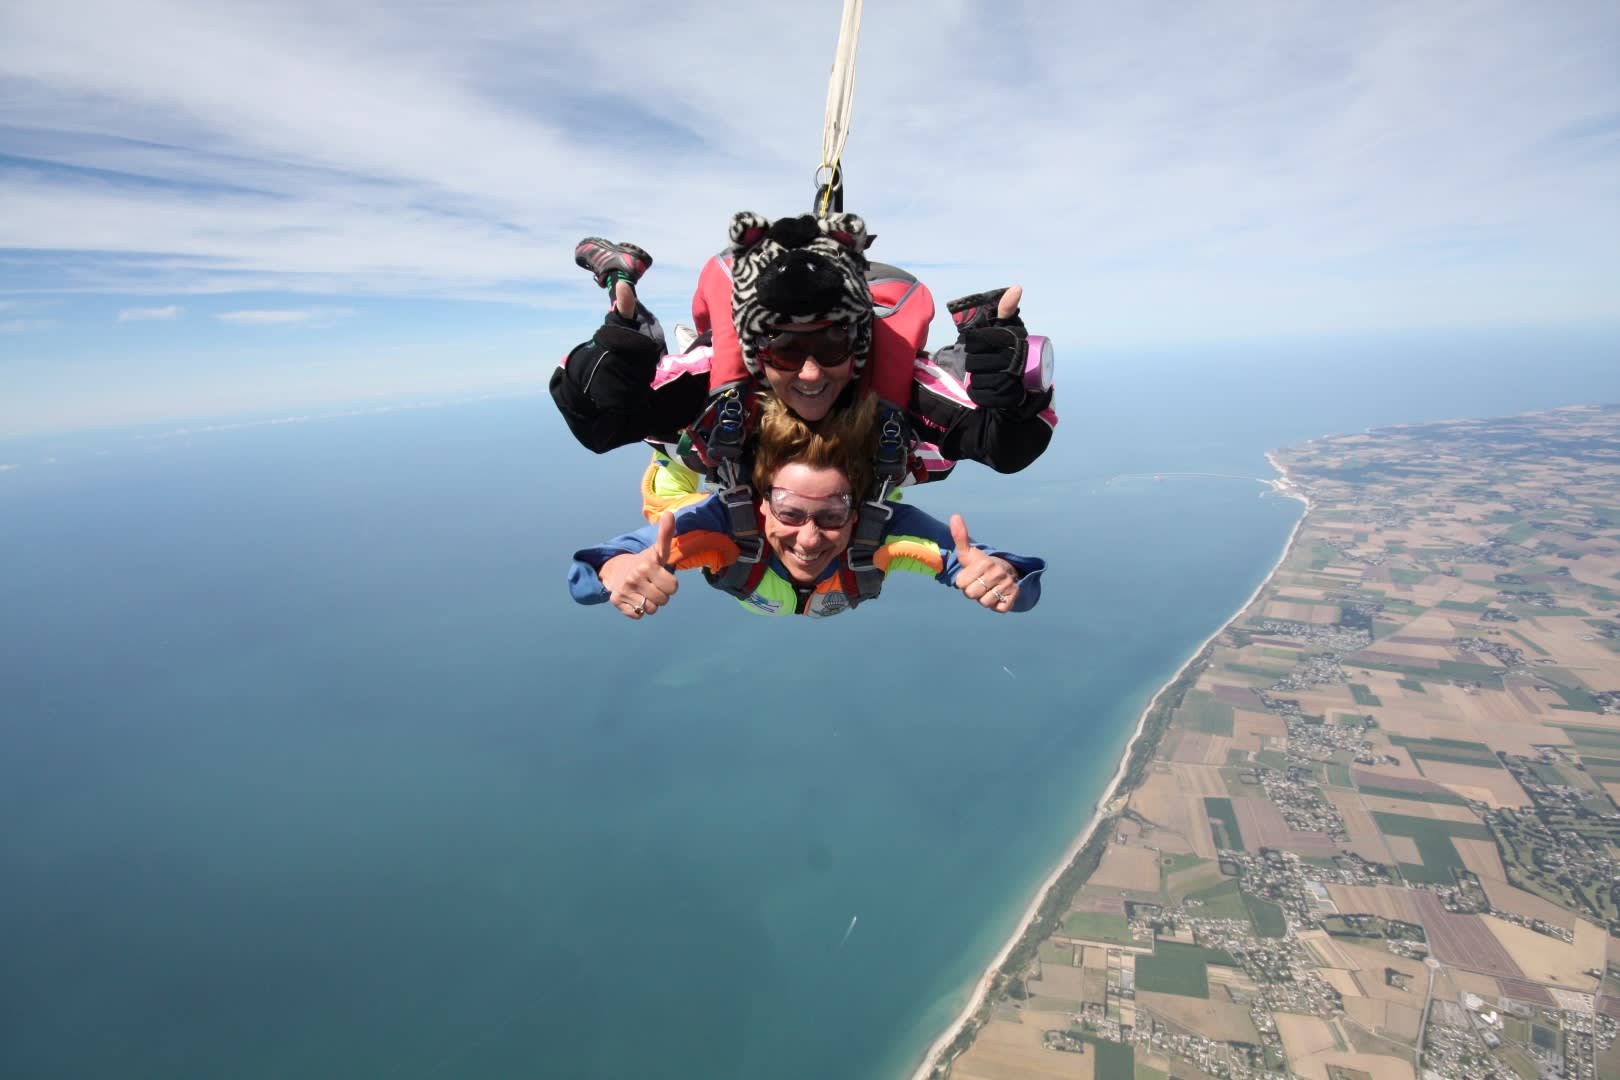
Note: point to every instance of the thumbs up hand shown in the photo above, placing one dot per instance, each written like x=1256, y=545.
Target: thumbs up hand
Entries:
x=640, y=583
x=991, y=581
x=1007, y=306
x=995, y=351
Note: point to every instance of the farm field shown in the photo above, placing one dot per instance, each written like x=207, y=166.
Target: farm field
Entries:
x=1378, y=810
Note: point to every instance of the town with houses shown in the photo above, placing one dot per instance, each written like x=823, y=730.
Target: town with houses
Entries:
x=1371, y=831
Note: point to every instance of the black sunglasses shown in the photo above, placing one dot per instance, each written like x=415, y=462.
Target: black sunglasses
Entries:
x=830, y=346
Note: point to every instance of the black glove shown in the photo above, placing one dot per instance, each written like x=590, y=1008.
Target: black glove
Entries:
x=995, y=363
x=615, y=368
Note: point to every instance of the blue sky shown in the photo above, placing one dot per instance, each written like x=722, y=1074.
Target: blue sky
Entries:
x=222, y=207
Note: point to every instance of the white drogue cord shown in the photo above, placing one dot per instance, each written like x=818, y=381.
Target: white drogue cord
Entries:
x=840, y=99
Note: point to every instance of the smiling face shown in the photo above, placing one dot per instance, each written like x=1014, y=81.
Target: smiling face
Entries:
x=801, y=273
x=808, y=549
x=811, y=390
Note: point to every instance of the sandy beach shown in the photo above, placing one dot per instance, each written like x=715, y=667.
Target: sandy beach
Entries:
x=1111, y=794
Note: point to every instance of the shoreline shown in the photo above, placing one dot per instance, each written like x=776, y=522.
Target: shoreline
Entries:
x=1111, y=794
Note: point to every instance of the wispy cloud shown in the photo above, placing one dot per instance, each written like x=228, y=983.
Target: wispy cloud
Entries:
x=307, y=317
x=1157, y=171
x=417, y=152
x=25, y=326
x=150, y=314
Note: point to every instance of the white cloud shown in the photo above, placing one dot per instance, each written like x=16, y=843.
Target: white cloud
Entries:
x=1158, y=171
x=150, y=314
x=26, y=326
x=307, y=317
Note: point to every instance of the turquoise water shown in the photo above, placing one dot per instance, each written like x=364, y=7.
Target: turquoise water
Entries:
x=308, y=766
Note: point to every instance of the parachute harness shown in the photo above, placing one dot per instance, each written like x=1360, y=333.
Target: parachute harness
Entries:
x=724, y=427
x=721, y=432
x=893, y=454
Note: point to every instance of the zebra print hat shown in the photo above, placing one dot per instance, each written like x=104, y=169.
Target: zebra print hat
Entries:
x=806, y=269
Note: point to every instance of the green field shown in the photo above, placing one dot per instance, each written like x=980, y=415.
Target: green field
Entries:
x=1455, y=759
x=1115, y=1061
x=1605, y=769
x=1518, y=534
x=1223, y=824
x=1175, y=863
x=1532, y=646
x=1552, y=774
x=1449, y=745
x=1108, y=926
x=1577, y=699
x=1363, y=695
x=1175, y=969
x=1255, y=669
x=1061, y=955
x=1533, y=610
x=1447, y=797
x=1272, y=759
x=1222, y=901
x=1411, y=684
x=1484, y=674
x=1267, y=917
x=1201, y=712
x=1598, y=738
x=1417, y=828
x=1433, y=839
x=1451, y=751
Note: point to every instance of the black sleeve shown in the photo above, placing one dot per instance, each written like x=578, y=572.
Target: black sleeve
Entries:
x=1007, y=440
x=604, y=390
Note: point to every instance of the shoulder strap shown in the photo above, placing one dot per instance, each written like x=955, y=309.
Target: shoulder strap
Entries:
x=743, y=576
x=893, y=453
x=719, y=434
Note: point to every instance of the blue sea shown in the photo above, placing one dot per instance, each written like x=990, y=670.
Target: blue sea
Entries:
x=309, y=767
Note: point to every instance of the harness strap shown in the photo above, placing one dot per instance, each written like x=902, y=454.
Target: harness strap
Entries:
x=893, y=455
x=720, y=433
x=743, y=576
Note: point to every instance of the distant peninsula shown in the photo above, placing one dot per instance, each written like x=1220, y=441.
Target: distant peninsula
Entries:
x=1370, y=830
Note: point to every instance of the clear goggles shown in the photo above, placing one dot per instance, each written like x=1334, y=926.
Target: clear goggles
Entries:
x=794, y=510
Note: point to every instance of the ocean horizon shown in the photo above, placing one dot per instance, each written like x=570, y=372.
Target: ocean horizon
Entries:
x=310, y=767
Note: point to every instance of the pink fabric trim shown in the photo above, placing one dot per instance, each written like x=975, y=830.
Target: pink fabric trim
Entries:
x=933, y=377
x=932, y=459
x=689, y=363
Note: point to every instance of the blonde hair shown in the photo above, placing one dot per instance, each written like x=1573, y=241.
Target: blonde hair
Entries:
x=845, y=440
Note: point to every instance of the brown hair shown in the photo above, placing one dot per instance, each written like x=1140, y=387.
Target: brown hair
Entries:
x=845, y=439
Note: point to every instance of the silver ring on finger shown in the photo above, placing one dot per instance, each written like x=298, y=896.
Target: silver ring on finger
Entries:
x=641, y=608
x=986, y=585
x=999, y=596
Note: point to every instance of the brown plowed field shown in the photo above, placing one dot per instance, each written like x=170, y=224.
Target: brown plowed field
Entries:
x=1463, y=940
x=1240, y=697
x=1262, y=825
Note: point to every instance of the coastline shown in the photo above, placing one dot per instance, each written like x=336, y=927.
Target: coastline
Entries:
x=1113, y=794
